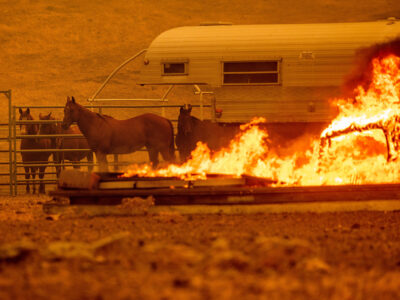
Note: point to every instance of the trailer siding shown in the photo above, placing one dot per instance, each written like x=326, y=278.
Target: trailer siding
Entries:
x=314, y=58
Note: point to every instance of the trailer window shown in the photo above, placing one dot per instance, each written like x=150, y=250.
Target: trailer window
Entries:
x=254, y=72
x=171, y=68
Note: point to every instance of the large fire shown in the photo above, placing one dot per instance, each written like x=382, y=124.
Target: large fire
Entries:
x=359, y=146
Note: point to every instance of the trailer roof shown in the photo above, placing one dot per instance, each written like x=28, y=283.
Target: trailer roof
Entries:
x=228, y=38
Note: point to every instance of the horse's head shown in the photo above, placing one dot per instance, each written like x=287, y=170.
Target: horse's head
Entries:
x=71, y=113
x=185, y=124
x=47, y=128
x=25, y=115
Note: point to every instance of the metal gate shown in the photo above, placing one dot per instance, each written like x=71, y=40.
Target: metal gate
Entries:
x=15, y=170
x=6, y=150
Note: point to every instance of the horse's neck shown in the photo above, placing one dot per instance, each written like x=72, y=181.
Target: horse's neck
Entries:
x=194, y=121
x=88, y=119
x=58, y=128
x=48, y=129
x=32, y=129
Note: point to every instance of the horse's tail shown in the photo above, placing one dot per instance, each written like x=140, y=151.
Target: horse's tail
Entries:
x=172, y=143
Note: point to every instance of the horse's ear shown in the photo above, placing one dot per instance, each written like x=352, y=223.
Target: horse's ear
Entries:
x=40, y=116
x=20, y=111
x=189, y=108
x=73, y=99
x=68, y=99
x=28, y=110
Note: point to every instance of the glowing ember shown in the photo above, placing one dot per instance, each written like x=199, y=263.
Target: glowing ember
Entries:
x=360, y=146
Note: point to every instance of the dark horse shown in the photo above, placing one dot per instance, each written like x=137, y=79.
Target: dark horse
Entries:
x=66, y=143
x=36, y=158
x=107, y=135
x=192, y=130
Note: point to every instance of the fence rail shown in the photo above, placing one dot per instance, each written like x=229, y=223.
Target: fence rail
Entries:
x=15, y=165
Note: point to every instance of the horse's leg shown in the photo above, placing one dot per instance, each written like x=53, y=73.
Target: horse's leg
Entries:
x=167, y=156
x=57, y=160
x=33, y=176
x=102, y=159
x=42, y=187
x=89, y=158
x=153, y=156
x=62, y=159
x=115, y=162
x=168, y=153
x=27, y=176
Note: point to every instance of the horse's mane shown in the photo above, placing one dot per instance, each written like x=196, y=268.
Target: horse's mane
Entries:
x=104, y=117
x=195, y=118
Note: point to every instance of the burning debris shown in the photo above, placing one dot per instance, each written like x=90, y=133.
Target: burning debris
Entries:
x=360, y=146
x=375, y=108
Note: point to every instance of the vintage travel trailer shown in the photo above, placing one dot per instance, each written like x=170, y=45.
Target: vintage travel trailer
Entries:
x=283, y=72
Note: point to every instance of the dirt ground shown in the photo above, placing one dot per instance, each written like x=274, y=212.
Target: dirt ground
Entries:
x=51, y=49
x=354, y=255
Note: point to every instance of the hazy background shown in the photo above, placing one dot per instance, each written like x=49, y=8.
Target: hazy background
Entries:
x=51, y=49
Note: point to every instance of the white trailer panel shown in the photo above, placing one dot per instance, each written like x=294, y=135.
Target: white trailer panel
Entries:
x=285, y=73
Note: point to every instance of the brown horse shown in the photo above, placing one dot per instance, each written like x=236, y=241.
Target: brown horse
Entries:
x=36, y=158
x=107, y=135
x=66, y=143
x=192, y=130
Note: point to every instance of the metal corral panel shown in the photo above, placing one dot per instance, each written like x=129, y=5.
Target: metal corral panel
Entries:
x=308, y=55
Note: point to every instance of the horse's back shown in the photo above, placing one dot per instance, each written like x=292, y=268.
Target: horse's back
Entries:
x=159, y=132
x=126, y=136
x=215, y=135
x=147, y=127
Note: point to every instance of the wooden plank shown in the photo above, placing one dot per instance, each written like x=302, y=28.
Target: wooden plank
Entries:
x=154, y=183
x=210, y=182
x=98, y=200
x=245, y=195
x=168, y=183
x=108, y=185
x=142, y=184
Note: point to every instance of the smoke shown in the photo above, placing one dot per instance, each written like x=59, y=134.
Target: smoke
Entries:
x=361, y=75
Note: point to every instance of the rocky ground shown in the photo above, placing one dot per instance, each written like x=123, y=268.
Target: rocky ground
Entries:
x=354, y=255
x=52, y=49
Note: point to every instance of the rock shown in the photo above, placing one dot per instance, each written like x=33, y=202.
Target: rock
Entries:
x=229, y=259
x=16, y=251
x=66, y=250
x=53, y=217
x=220, y=244
x=314, y=264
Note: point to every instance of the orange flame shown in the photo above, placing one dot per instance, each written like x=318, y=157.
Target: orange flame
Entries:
x=359, y=146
